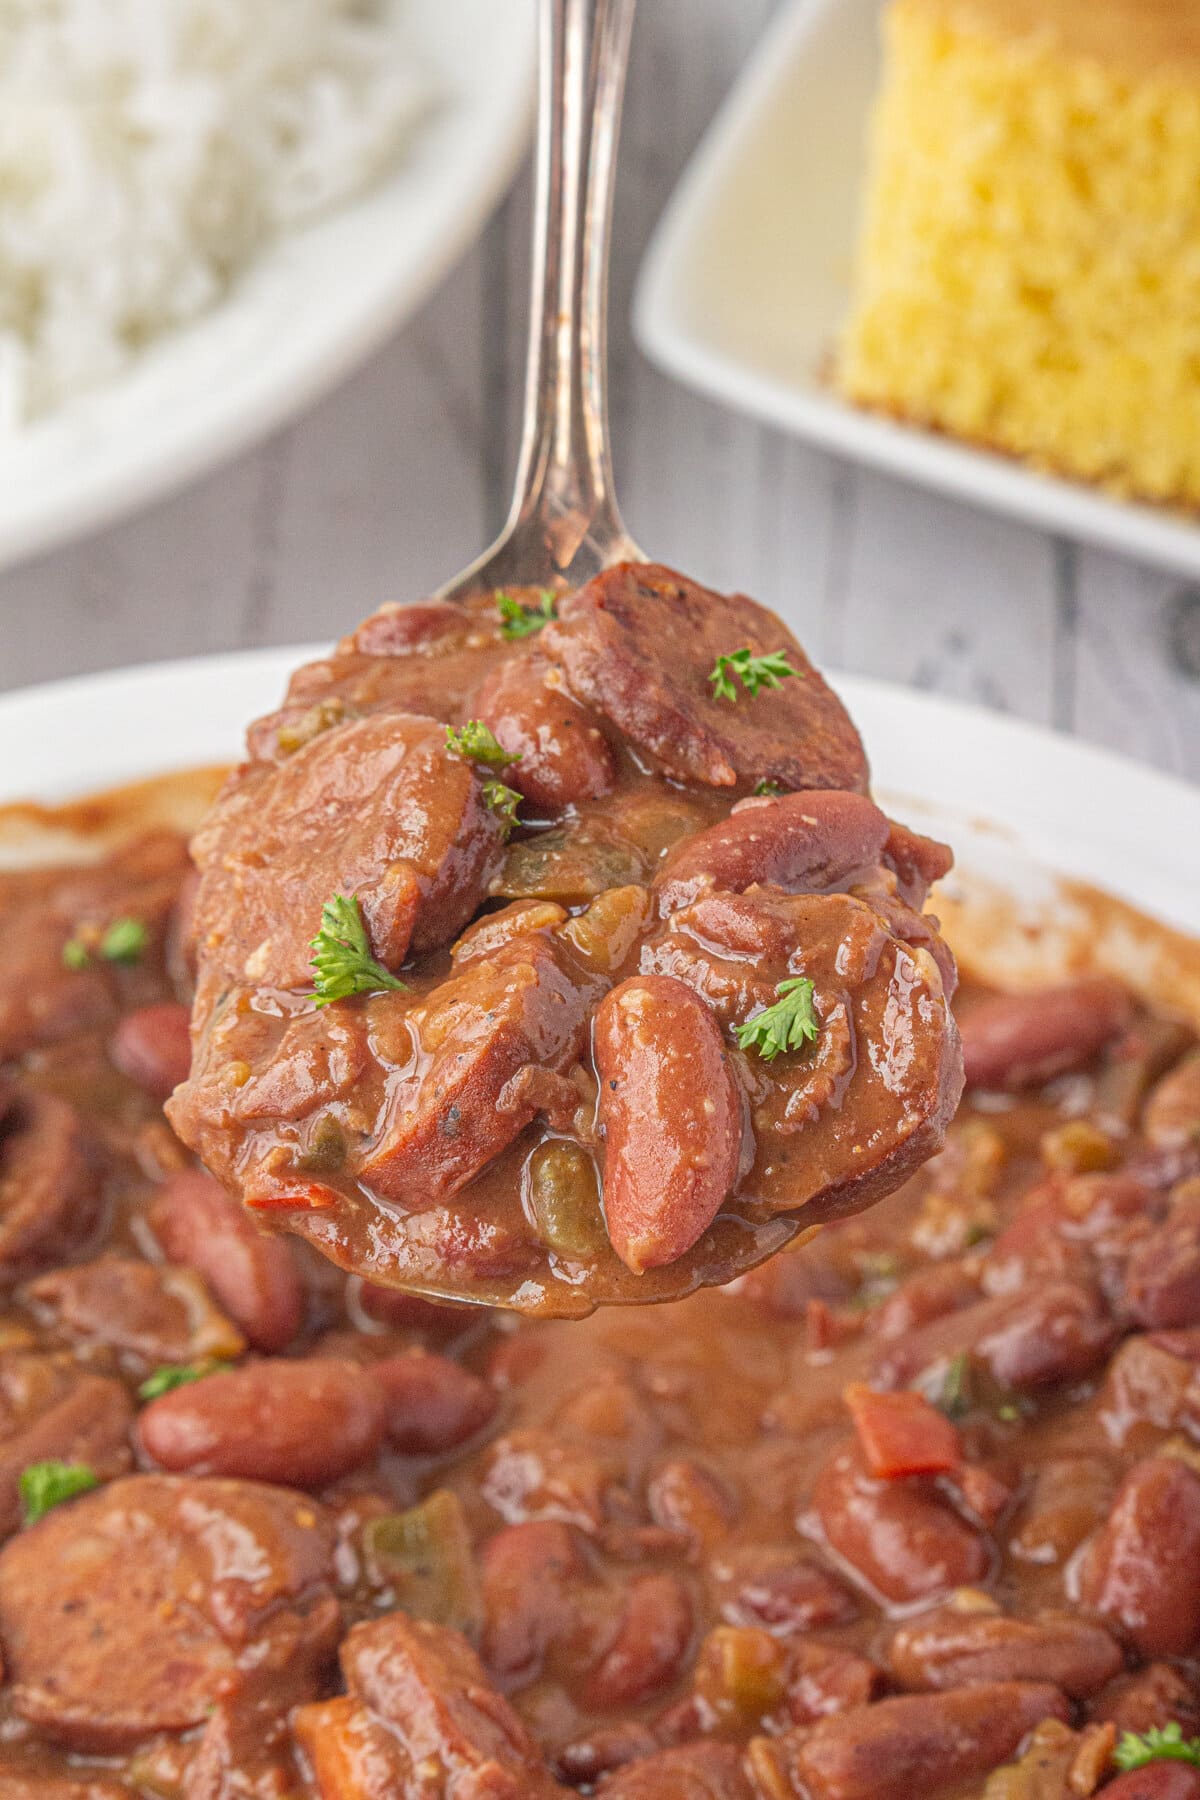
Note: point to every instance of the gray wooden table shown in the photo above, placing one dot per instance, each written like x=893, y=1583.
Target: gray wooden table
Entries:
x=394, y=481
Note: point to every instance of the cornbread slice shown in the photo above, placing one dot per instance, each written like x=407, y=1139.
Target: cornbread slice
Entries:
x=1028, y=274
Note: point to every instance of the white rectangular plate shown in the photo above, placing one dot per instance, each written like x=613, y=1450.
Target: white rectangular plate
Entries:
x=747, y=282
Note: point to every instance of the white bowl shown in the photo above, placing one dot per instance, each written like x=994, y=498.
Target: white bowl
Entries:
x=315, y=305
x=1037, y=821
x=747, y=282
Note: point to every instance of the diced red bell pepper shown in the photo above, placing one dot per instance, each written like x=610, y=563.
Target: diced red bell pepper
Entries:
x=902, y=1434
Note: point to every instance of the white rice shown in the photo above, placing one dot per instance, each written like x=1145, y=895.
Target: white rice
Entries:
x=149, y=149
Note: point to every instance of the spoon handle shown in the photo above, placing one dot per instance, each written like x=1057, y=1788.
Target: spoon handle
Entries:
x=564, y=524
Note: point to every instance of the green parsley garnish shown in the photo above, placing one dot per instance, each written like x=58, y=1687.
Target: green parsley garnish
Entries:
x=124, y=941
x=519, y=621
x=1008, y=1413
x=953, y=1396
x=474, y=741
x=1166, y=1745
x=769, y=790
x=45, y=1485
x=342, y=960
x=172, y=1376
x=503, y=801
x=752, y=671
x=788, y=1025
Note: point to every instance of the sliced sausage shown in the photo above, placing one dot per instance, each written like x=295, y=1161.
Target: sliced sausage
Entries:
x=521, y=1008
x=153, y=1046
x=419, y=1706
x=902, y=1539
x=918, y=1742
x=52, y=1410
x=950, y=1648
x=1142, y=1569
x=187, y=1577
x=378, y=808
x=671, y=1115
x=804, y=843
x=1013, y=1040
x=564, y=755
x=253, y=1276
x=50, y=1198
x=160, y=1315
x=303, y=1423
x=608, y=640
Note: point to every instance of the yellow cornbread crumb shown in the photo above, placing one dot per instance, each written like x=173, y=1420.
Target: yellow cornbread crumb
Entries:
x=1028, y=273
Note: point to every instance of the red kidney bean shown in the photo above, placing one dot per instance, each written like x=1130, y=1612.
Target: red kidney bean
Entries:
x=1011, y=1040
x=948, y=1648
x=1157, y=1781
x=1059, y=1331
x=920, y=1742
x=533, y=1577
x=823, y=1680
x=1172, y=1112
x=688, y=1500
x=1071, y=1497
x=805, y=843
x=301, y=1423
x=779, y=1591
x=651, y=1642
x=253, y=1275
x=432, y=1405
x=153, y=1046
x=564, y=756
x=928, y=1294
x=1149, y=1698
x=1142, y=1569
x=672, y=1119
x=689, y=1772
x=902, y=1538
x=1050, y=1331
x=1162, y=1277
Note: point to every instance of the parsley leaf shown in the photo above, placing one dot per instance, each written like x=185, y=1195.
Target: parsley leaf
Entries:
x=788, y=1025
x=752, y=671
x=953, y=1394
x=518, y=621
x=342, y=960
x=503, y=801
x=474, y=741
x=769, y=790
x=44, y=1485
x=125, y=941
x=172, y=1376
x=1167, y=1745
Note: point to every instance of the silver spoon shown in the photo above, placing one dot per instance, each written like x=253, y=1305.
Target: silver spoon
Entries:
x=564, y=526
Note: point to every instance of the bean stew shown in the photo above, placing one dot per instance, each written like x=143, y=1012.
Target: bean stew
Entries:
x=551, y=952
x=916, y=1504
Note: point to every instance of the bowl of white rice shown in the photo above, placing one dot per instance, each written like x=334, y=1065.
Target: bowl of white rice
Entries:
x=210, y=210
